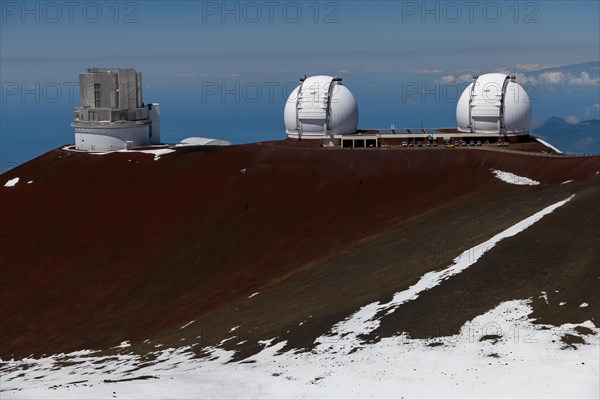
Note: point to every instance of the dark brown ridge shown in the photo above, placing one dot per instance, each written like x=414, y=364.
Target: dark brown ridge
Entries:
x=105, y=248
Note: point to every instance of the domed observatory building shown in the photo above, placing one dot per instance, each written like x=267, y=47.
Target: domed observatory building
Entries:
x=494, y=104
x=320, y=108
x=112, y=115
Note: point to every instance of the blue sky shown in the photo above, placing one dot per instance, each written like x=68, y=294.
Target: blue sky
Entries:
x=377, y=47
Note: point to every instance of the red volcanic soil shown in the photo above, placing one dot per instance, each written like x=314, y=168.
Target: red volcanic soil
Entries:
x=104, y=248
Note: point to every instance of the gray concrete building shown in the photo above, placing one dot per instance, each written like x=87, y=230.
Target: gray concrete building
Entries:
x=112, y=115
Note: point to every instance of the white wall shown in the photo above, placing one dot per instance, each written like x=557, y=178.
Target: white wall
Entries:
x=106, y=139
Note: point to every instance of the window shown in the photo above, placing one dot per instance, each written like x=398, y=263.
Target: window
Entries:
x=97, y=95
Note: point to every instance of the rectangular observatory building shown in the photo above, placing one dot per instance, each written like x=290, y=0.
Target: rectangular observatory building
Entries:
x=111, y=114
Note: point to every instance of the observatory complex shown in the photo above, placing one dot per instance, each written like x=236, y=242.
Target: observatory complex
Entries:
x=493, y=108
x=112, y=115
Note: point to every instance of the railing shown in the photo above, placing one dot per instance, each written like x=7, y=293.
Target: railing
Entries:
x=530, y=153
x=110, y=124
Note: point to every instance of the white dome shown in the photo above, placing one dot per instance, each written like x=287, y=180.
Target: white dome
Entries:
x=494, y=103
x=323, y=107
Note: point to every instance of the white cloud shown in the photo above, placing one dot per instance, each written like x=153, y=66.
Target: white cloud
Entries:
x=343, y=71
x=593, y=111
x=556, y=78
x=533, y=67
x=521, y=77
x=572, y=119
x=447, y=79
x=524, y=79
x=465, y=78
x=584, y=79
x=552, y=78
x=503, y=71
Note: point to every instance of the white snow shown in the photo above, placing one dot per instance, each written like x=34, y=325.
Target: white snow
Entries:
x=562, y=303
x=583, y=305
x=565, y=182
x=345, y=335
x=156, y=152
x=188, y=324
x=29, y=182
x=11, y=182
x=252, y=295
x=509, y=177
x=515, y=363
x=226, y=340
x=548, y=145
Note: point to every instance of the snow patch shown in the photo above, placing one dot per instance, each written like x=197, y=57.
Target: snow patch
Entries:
x=345, y=335
x=188, y=324
x=513, y=179
x=11, y=182
x=252, y=295
x=156, y=152
x=226, y=340
x=583, y=305
x=565, y=182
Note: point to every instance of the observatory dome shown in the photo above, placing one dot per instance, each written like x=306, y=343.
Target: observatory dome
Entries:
x=494, y=103
x=320, y=106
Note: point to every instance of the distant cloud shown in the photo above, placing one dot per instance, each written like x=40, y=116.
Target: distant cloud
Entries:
x=524, y=79
x=584, y=79
x=464, y=78
x=343, y=71
x=557, y=78
x=533, y=67
x=571, y=119
x=593, y=111
x=447, y=79
x=552, y=78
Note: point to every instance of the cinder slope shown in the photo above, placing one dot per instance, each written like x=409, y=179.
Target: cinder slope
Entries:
x=101, y=249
